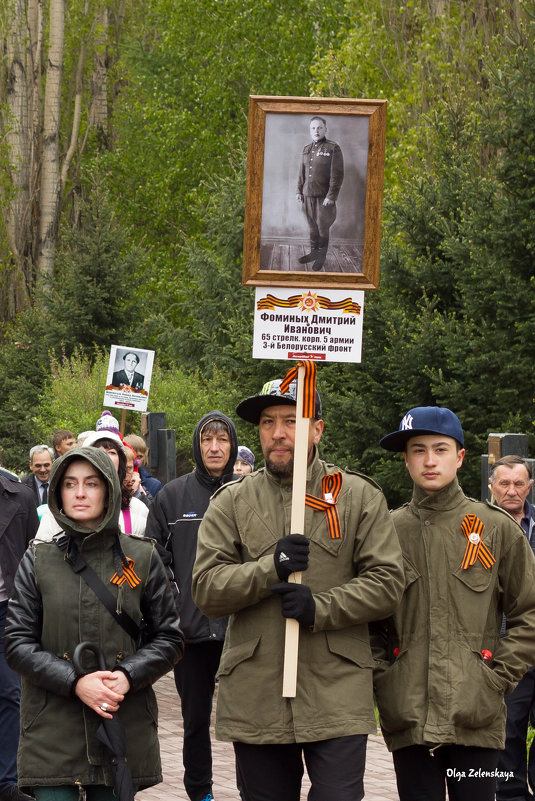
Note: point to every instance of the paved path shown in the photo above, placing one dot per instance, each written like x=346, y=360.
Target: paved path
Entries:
x=379, y=780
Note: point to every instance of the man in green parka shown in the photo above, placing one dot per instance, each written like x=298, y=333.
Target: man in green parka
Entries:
x=441, y=668
x=353, y=574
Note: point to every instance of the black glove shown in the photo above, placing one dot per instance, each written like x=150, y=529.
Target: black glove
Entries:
x=291, y=555
x=297, y=602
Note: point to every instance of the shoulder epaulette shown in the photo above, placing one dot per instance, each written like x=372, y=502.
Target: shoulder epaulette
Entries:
x=499, y=509
x=399, y=508
x=232, y=483
x=137, y=537
x=362, y=475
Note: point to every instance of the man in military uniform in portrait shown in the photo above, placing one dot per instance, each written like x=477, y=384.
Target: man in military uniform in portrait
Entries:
x=320, y=177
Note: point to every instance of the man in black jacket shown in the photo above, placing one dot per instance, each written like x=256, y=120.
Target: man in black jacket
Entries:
x=18, y=525
x=174, y=519
x=41, y=458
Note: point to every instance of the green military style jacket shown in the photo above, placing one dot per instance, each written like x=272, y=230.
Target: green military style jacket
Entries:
x=432, y=684
x=354, y=579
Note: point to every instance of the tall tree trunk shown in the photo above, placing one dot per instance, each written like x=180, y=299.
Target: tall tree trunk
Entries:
x=19, y=124
x=99, y=81
x=51, y=189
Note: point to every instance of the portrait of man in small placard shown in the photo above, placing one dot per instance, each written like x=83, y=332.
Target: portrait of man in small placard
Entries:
x=125, y=374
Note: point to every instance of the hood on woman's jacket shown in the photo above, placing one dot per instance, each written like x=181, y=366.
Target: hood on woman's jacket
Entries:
x=202, y=473
x=102, y=462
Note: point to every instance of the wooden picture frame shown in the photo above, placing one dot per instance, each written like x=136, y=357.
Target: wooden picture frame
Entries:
x=283, y=224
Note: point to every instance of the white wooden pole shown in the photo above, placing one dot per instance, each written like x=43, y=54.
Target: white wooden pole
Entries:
x=302, y=424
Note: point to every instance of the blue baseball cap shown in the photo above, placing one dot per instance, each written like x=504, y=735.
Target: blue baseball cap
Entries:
x=424, y=420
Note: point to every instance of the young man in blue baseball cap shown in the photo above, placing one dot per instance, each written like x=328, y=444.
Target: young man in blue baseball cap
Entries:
x=442, y=670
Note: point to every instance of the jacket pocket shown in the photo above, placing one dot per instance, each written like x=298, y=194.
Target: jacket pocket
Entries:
x=398, y=693
x=152, y=706
x=33, y=703
x=249, y=702
x=475, y=578
x=235, y=655
x=410, y=571
x=350, y=647
x=256, y=536
x=477, y=692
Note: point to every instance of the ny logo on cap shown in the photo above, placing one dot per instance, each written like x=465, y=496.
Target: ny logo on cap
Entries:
x=406, y=423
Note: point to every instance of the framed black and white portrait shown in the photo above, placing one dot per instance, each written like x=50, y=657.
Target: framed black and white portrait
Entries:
x=314, y=192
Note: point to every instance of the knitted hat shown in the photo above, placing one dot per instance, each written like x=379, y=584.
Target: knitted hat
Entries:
x=107, y=422
x=95, y=436
x=245, y=455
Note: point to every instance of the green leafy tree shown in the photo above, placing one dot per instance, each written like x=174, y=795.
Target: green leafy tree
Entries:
x=90, y=301
x=182, y=126
x=86, y=306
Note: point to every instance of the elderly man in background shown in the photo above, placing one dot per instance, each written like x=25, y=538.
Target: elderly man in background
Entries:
x=510, y=483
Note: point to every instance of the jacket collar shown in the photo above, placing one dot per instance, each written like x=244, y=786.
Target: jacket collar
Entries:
x=447, y=498
x=212, y=482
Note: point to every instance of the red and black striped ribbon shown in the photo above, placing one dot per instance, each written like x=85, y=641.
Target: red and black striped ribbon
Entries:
x=309, y=386
x=331, y=486
x=471, y=524
x=129, y=575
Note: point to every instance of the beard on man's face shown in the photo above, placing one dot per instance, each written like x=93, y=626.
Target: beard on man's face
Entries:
x=283, y=470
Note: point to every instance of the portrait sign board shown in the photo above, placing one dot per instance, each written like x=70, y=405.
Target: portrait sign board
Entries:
x=314, y=192
x=322, y=325
x=128, y=378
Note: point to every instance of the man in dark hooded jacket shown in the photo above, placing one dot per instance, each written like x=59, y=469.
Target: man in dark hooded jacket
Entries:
x=174, y=519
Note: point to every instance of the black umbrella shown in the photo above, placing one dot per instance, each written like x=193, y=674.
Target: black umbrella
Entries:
x=110, y=732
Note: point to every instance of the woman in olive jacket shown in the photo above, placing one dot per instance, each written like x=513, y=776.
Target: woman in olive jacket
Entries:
x=53, y=609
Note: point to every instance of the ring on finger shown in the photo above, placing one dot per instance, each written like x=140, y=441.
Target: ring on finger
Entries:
x=104, y=707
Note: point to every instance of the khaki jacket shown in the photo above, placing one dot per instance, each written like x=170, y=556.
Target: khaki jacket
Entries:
x=354, y=579
x=438, y=689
